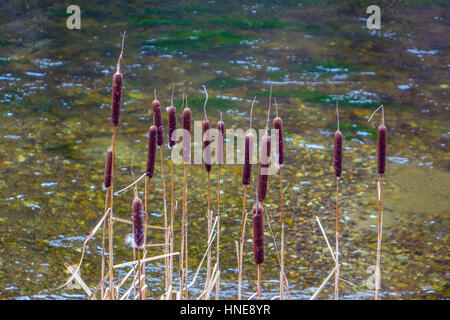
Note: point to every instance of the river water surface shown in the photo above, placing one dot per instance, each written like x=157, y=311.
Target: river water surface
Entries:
x=55, y=91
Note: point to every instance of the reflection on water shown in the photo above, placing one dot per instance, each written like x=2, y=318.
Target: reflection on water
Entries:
x=55, y=88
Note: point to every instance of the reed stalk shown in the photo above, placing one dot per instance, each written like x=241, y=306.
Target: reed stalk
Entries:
x=166, y=232
x=382, y=142
x=278, y=125
x=219, y=157
x=246, y=177
x=337, y=172
x=184, y=223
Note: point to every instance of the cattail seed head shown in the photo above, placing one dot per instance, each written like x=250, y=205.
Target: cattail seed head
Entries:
x=157, y=121
x=338, y=153
x=220, y=140
x=108, y=168
x=206, y=142
x=258, y=234
x=151, y=151
x=248, y=155
x=160, y=136
x=157, y=117
x=382, y=141
x=264, y=156
x=186, y=123
x=138, y=223
x=187, y=119
x=116, y=97
x=278, y=125
x=172, y=117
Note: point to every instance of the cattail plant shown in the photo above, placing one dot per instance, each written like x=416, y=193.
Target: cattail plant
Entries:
x=246, y=177
x=219, y=157
x=382, y=142
x=138, y=232
x=278, y=126
x=258, y=225
x=206, y=137
x=186, y=123
x=115, y=117
x=258, y=242
x=149, y=172
x=172, y=126
x=337, y=173
x=157, y=121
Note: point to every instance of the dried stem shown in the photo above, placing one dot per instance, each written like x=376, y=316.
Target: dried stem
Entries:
x=139, y=273
x=380, y=231
x=166, y=233
x=336, y=282
x=241, y=243
x=218, y=233
x=102, y=287
x=282, y=276
x=110, y=224
x=209, y=218
x=259, y=281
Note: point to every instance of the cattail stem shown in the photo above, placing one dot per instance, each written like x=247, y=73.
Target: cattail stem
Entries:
x=380, y=231
x=166, y=232
x=336, y=277
x=259, y=282
x=147, y=196
x=209, y=218
x=172, y=213
x=241, y=243
x=282, y=240
x=102, y=287
x=184, y=235
x=110, y=226
x=218, y=233
x=139, y=273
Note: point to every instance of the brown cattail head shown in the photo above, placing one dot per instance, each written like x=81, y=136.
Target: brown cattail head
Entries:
x=172, y=117
x=248, y=155
x=116, y=97
x=220, y=139
x=206, y=142
x=382, y=141
x=338, y=153
x=160, y=136
x=258, y=234
x=108, y=168
x=157, y=117
x=278, y=125
x=186, y=122
x=157, y=121
x=138, y=223
x=187, y=119
x=151, y=151
x=264, y=162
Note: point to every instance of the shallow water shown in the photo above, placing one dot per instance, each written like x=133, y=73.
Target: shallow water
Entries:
x=55, y=87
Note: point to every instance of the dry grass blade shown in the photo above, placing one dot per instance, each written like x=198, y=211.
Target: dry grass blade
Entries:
x=79, y=280
x=128, y=187
x=132, y=263
x=89, y=237
x=212, y=236
x=131, y=222
x=326, y=239
x=284, y=279
x=323, y=284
